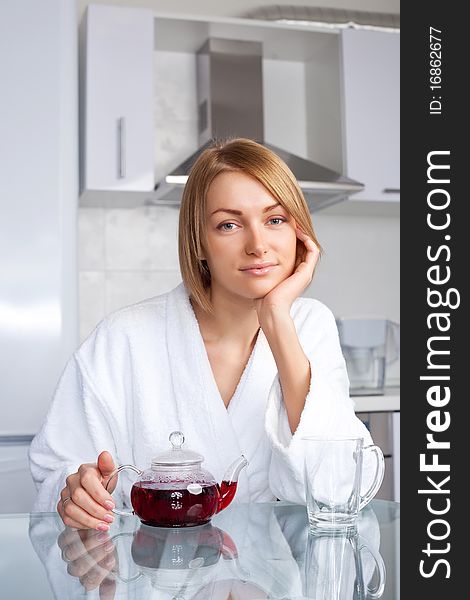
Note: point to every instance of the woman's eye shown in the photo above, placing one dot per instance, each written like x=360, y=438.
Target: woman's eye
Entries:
x=277, y=220
x=226, y=226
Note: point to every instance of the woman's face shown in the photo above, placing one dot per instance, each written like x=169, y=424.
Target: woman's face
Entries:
x=250, y=238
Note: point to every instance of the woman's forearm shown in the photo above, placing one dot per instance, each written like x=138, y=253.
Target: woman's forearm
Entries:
x=292, y=364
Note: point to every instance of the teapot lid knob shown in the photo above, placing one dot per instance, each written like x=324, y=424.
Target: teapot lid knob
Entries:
x=177, y=439
x=177, y=456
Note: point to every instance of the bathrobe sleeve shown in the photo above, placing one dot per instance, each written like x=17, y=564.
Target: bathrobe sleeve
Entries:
x=78, y=426
x=328, y=410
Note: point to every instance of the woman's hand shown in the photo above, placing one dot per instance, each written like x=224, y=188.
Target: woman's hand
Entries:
x=283, y=295
x=275, y=320
x=84, y=502
x=90, y=557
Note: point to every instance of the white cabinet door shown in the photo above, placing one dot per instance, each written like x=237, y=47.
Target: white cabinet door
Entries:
x=371, y=111
x=116, y=93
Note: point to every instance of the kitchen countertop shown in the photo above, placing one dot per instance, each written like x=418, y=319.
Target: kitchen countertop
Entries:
x=250, y=550
x=389, y=401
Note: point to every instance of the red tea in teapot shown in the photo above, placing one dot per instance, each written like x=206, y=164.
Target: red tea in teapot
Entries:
x=162, y=505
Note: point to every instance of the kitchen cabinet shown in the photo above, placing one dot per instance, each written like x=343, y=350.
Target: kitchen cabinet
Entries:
x=18, y=489
x=371, y=112
x=304, y=114
x=116, y=94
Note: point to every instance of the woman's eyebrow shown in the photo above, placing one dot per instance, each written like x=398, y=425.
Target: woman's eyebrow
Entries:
x=239, y=212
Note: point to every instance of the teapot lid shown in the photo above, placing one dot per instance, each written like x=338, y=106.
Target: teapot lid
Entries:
x=176, y=456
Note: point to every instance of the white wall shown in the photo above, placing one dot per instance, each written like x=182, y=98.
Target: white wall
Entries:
x=358, y=274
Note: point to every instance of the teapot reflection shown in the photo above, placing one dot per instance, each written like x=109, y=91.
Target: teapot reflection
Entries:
x=338, y=567
x=157, y=548
x=178, y=562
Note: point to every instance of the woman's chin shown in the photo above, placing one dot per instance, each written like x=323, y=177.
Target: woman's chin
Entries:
x=260, y=288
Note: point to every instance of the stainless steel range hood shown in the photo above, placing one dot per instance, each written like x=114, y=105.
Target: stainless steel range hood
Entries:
x=230, y=99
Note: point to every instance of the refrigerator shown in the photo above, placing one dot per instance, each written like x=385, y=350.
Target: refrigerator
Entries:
x=38, y=219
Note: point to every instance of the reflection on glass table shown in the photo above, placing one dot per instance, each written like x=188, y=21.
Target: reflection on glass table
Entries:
x=248, y=552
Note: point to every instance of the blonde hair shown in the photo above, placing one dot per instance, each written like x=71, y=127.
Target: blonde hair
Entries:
x=253, y=159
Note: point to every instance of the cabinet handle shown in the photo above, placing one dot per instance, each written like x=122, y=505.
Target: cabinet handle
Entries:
x=121, y=148
x=391, y=191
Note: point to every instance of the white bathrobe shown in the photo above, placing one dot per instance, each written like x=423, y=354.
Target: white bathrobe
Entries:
x=144, y=372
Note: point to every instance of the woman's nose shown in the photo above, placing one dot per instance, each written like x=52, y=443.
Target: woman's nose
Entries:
x=255, y=243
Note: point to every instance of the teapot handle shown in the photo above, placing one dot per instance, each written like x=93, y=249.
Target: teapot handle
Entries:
x=116, y=575
x=116, y=511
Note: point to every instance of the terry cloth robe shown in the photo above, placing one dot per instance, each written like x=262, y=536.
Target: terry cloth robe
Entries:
x=144, y=372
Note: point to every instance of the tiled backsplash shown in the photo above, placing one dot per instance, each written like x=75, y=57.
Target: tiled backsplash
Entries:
x=125, y=255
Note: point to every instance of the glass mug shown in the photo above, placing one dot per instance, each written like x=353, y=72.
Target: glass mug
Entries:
x=333, y=471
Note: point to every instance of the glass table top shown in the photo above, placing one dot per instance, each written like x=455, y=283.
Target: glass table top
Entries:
x=247, y=552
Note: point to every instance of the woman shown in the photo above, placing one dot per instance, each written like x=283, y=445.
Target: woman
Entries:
x=233, y=357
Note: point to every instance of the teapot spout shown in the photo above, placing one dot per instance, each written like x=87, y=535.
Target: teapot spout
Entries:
x=228, y=487
x=232, y=473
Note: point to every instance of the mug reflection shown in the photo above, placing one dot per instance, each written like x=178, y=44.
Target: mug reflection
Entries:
x=342, y=565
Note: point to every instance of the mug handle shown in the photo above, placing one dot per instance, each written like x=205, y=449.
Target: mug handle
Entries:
x=116, y=511
x=378, y=477
x=380, y=566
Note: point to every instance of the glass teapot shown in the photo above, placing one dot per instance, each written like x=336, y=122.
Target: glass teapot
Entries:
x=176, y=491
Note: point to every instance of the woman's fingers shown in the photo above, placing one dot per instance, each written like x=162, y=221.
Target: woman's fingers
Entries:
x=88, y=561
x=89, y=556
x=78, y=506
x=97, y=573
x=313, y=252
x=107, y=589
x=82, y=494
x=309, y=243
x=69, y=522
x=66, y=537
x=90, y=479
x=75, y=516
x=82, y=545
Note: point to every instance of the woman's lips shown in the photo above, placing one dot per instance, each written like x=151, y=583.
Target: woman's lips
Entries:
x=258, y=271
